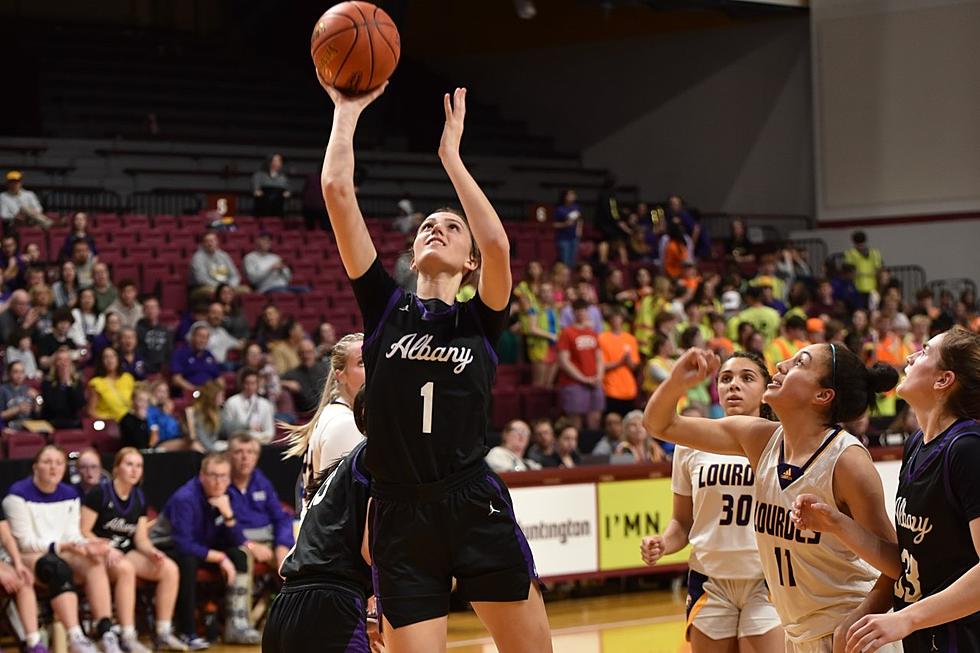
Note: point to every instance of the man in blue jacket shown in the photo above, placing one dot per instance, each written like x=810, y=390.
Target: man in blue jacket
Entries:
x=198, y=526
x=267, y=527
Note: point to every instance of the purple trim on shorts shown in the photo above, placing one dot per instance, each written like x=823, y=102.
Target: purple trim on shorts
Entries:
x=428, y=315
x=397, y=294
x=525, y=549
x=358, y=642
x=375, y=581
x=355, y=470
x=952, y=645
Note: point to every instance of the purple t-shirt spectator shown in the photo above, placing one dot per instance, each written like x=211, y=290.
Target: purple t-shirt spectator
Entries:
x=196, y=367
x=561, y=215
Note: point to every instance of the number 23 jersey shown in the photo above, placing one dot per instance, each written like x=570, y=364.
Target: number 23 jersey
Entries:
x=429, y=370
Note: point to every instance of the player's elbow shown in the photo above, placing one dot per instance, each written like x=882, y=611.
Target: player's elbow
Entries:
x=336, y=187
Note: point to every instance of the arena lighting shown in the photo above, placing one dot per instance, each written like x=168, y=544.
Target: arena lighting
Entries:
x=98, y=425
x=525, y=9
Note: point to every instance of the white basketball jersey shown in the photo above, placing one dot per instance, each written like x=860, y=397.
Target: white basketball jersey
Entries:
x=814, y=579
x=721, y=489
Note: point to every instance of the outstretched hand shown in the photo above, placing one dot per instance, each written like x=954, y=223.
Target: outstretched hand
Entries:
x=452, y=132
x=352, y=103
x=694, y=367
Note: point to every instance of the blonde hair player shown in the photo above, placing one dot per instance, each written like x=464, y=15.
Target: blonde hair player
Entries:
x=937, y=509
x=331, y=434
x=728, y=602
x=438, y=512
x=819, y=587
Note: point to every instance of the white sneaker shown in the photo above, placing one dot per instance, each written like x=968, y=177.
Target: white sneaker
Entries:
x=168, y=642
x=110, y=643
x=81, y=645
x=132, y=644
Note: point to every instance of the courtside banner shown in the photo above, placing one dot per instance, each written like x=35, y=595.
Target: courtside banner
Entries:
x=628, y=512
x=559, y=523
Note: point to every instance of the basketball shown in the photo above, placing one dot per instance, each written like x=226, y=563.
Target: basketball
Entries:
x=355, y=47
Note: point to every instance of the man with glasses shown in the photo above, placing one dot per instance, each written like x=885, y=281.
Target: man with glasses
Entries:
x=198, y=527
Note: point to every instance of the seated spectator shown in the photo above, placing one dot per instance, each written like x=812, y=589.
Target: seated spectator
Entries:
x=198, y=528
x=79, y=232
x=155, y=339
x=32, y=256
x=566, y=446
x=160, y=415
x=192, y=365
x=110, y=389
x=305, y=381
x=581, y=370
x=210, y=266
x=637, y=443
x=43, y=513
x=42, y=302
x=235, y=321
x=19, y=351
x=509, y=455
x=63, y=393
x=129, y=356
x=612, y=435
x=109, y=336
x=105, y=292
x=792, y=338
x=88, y=320
x=84, y=260
x=739, y=247
x=204, y=426
x=267, y=528
x=675, y=250
x=90, y=472
x=719, y=341
x=18, y=316
x=269, y=326
x=19, y=206
x=129, y=309
x=764, y=319
x=196, y=312
x=264, y=269
x=284, y=354
x=115, y=511
x=325, y=338
x=13, y=265
x=134, y=429
x=59, y=338
x=542, y=449
x=17, y=580
x=270, y=186
x=220, y=342
x=248, y=412
x=18, y=401
x=270, y=385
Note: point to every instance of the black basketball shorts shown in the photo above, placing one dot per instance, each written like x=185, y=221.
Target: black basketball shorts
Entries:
x=423, y=536
x=315, y=618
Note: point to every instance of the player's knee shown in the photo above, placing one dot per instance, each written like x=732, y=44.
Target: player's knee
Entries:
x=169, y=569
x=124, y=569
x=54, y=572
x=238, y=558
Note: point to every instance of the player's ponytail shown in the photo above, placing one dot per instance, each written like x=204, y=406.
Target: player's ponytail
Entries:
x=959, y=353
x=855, y=386
x=298, y=435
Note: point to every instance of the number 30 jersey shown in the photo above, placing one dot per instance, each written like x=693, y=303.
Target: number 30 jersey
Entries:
x=814, y=579
x=430, y=369
x=721, y=490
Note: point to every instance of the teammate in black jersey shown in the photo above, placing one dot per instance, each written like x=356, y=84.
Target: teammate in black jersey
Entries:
x=116, y=510
x=438, y=510
x=321, y=607
x=937, y=509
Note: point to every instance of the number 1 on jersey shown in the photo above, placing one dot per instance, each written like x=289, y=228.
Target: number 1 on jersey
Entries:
x=426, y=392
x=790, y=577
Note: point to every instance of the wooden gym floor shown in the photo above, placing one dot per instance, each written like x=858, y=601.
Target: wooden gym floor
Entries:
x=648, y=622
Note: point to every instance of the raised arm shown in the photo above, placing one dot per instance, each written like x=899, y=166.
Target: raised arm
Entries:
x=337, y=181
x=737, y=435
x=491, y=239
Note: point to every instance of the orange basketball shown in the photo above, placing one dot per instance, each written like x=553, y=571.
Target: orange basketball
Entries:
x=355, y=47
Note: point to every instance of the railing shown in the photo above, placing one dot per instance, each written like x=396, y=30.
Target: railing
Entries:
x=773, y=228
x=912, y=278
x=816, y=253
x=954, y=286
x=93, y=200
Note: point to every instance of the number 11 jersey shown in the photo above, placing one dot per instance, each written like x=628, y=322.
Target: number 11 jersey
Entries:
x=430, y=369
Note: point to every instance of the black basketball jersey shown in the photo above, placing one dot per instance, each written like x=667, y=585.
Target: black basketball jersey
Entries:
x=116, y=519
x=429, y=369
x=328, y=547
x=938, y=495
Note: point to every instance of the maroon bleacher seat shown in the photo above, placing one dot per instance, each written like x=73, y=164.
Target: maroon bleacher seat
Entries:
x=506, y=406
x=23, y=444
x=71, y=440
x=127, y=268
x=537, y=403
x=102, y=433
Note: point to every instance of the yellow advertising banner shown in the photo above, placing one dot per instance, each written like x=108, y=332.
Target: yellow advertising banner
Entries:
x=628, y=512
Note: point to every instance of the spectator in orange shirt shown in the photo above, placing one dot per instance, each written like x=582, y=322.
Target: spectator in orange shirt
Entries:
x=675, y=250
x=621, y=355
x=581, y=364
x=719, y=342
